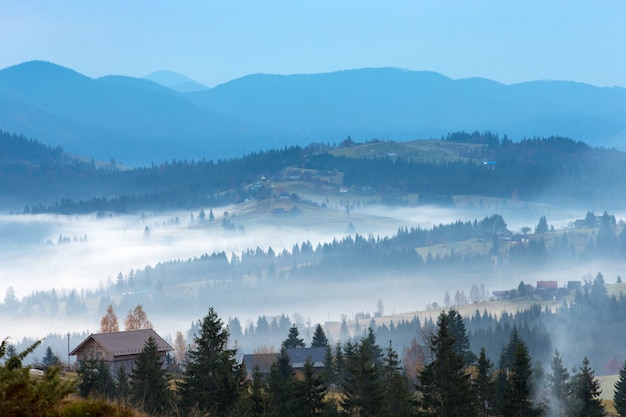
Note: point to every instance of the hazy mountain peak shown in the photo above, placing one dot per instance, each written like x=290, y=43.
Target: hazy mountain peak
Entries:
x=39, y=68
x=175, y=81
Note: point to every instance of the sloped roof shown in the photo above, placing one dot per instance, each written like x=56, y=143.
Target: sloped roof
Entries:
x=262, y=360
x=298, y=357
x=129, y=342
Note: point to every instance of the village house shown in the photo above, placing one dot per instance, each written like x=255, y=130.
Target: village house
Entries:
x=298, y=357
x=118, y=349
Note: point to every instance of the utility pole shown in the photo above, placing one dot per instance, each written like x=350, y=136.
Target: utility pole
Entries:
x=68, y=351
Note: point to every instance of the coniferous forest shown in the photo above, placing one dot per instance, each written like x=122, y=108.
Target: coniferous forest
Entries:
x=539, y=356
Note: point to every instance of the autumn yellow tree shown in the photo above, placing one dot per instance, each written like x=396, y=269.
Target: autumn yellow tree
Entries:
x=108, y=324
x=180, y=348
x=137, y=319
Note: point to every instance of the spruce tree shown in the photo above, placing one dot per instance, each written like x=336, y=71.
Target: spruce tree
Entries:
x=558, y=385
x=122, y=385
x=330, y=370
x=50, y=359
x=293, y=339
x=619, y=396
x=310, y=392
x=212, y=379
x=584, y=398
x=149, y=381
x=459, y=334
x=319, y=337
x=282, y=386
x=362, y=384
x=95, y=379
x=397, y=401
x=484, y=386
x=520, y=384
x=444, y=384
x=256, y=396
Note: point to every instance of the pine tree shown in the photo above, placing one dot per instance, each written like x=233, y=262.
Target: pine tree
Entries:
x=212, y=379
x=397, y=399
x=483, y=386
x=362, y=384
x=257, y=398
x=444, y=385
x=619, y=396
x=330, y=372
x=459, y=334
x=122, y=385
x=149, y=382
x=542, y=226
x=584, y=398
x=519, y=383
x=558, y=385
x=95, y=379
x=319, y=337
x=340, y=365
x=50, y=359
x=293, y=339
x=310, y=392
x=281, y=385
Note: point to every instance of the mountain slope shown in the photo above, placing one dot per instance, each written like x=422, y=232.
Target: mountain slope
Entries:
x=132, y=120
x=137, y=121
x=175, y=81
x=403, y=105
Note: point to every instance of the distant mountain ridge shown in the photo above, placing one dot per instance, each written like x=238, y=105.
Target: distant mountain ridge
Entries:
x=175, y=81
x=137, y=121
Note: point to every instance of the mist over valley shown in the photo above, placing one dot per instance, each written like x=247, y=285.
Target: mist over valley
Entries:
x=324, y=234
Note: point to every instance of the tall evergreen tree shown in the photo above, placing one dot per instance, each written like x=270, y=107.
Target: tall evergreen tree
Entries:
x=362, y=384
x=256, y=400
x=584, y=398
x=330, y=370
x=122, y=385
x=444, y=384
x=319, y=337
x=212, y=379
x=149, y=381
x=520, y=374
x=282, y=386
x=95, y=379
x=558, y=386
x=619, y=396
x=310, y=392
x=459, y=334
x=50, y=359
x=293, y=339
x=483, y=385
x=397, y=399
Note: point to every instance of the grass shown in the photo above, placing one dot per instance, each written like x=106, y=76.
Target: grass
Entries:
x=423, y=150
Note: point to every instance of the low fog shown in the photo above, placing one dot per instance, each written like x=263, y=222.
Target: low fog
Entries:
x=44, y=252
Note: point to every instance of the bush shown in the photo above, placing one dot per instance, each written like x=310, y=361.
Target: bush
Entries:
x=96, y=408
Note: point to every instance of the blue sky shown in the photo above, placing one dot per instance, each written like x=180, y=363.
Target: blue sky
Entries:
x=216, y=41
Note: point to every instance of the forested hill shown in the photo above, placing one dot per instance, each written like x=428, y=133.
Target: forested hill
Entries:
x=138, y=122
x=551, y=170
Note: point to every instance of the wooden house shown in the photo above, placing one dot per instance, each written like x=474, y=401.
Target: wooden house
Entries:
x=119, y=349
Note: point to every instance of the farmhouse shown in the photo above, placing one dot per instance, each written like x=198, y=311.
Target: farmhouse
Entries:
x=118, y=349
x=298, y=357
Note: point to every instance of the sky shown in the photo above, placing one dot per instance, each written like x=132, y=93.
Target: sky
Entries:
x=216, y=41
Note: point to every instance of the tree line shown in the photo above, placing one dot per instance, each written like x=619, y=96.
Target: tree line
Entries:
x=555, y=169
x=359, y=378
